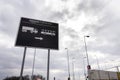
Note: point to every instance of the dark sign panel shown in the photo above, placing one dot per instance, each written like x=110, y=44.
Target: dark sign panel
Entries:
x=36, y=33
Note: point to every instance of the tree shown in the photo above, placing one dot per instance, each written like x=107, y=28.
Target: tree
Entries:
x=37, y=77
x=26, y=77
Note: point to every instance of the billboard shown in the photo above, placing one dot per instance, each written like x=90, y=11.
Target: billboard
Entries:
x=38, y=34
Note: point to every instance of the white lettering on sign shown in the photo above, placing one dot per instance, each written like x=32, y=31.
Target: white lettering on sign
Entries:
x=48, y=32
x=31, y=29
x=39, y=38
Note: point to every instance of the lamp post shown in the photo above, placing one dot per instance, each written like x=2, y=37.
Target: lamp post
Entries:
x=86, y=49
x=33, y=63
x=84, y=68
x=73, y=66
x=88, y=66
x=68, y=64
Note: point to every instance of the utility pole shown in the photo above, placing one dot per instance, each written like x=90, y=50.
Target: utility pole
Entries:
x=68, y=64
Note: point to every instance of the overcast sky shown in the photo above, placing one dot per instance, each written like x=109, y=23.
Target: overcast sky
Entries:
x=100, y=19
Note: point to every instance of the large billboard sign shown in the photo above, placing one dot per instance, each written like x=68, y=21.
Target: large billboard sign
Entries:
x=38, y=34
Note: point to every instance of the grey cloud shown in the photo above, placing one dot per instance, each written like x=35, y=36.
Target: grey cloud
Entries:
x=10, y=56
x=58, y=60
x=93, y=6
x=5, y=73
x=58, y=15
x=74, y=41
x=11, y=13
x=106, y=49
x=70, y=32
x=107, y=30
x=64, y=0
x=9, y=60
x=23, y=7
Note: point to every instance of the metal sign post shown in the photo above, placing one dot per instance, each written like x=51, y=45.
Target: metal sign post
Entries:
x=33, y=63
x=48, y=64
x=22, y=67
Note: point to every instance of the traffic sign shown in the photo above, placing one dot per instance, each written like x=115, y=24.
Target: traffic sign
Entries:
x=38, y=34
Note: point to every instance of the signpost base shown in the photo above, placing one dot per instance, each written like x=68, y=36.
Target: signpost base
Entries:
x=48, y=64
x=22, y=67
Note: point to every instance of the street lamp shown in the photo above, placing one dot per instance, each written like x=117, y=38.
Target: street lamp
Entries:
x=88, y=66
x=86, y=49
x=84, y=68
x=73, y=66
x=68, y=64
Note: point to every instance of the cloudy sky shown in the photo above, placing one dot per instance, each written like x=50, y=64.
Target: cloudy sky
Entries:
x=99, y=19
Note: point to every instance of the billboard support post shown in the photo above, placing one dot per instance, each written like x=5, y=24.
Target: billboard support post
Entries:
x=48, y=64
x=22, y=67
x=33, y=63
